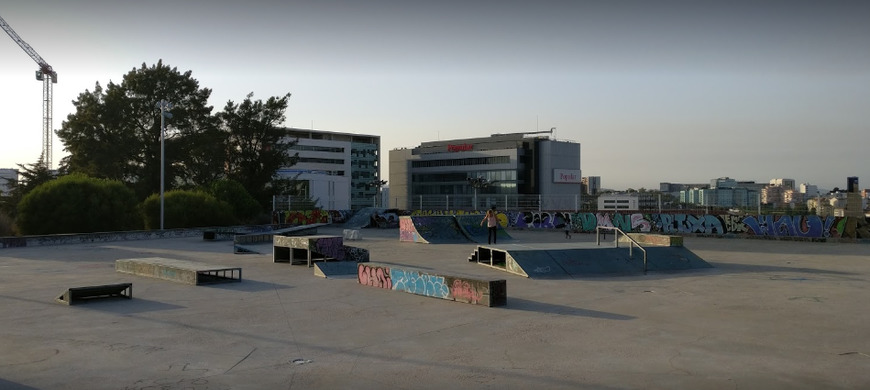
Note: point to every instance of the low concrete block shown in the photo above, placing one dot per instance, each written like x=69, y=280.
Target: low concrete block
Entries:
x=311, y=249
x=182, y=271
x=483, y=292
x=656, y=239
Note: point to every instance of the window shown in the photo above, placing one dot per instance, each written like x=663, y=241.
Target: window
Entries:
x=461, y=161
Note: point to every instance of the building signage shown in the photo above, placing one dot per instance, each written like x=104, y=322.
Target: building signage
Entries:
x=571, y=176
x=459, y=147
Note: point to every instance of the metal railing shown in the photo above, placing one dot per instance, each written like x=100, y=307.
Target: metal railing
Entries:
x=616, y=232
x=484, y=201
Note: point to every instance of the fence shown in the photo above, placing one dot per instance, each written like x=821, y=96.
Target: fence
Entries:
x=485, y=201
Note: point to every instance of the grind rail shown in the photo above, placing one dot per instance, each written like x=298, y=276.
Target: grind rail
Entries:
x=616, y=232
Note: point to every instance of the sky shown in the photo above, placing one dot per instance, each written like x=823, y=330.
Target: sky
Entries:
x=654, y=91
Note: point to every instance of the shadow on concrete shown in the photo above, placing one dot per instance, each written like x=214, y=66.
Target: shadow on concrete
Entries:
x=248, y=285
x=126, y=306
x=548, y=308
x=760, y=269
x=7, y=385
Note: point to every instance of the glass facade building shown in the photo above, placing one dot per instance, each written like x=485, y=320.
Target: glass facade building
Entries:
x=505, y=167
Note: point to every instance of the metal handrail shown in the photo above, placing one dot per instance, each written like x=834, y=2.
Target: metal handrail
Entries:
x=616, y=241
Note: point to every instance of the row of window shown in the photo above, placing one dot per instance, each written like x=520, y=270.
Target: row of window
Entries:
x=461, y=161
x=447, y=177
x=313, y=148
x=321, y=160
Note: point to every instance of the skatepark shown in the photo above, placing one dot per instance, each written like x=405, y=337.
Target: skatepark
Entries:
x=766, y=314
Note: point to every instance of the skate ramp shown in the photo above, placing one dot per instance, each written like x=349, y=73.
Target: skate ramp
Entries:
x=577, y=260
x=361, y=218
x=471, y=227
x=431, y=229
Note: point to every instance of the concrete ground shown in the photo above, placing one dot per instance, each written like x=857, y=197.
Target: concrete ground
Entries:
x=769, y=315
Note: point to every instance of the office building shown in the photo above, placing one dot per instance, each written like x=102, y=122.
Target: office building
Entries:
x=517, y=170
x=337, y=170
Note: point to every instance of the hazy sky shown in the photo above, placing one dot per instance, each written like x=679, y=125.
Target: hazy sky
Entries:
x=653, y=90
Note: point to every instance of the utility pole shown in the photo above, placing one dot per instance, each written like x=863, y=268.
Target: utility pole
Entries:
x=164, y=107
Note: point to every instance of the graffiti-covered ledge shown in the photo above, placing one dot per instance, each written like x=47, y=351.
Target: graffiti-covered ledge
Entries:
x=780, y=227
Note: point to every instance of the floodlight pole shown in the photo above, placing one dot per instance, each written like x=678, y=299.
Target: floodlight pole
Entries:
x=164, y=106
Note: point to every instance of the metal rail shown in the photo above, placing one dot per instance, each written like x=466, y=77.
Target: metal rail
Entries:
x=616, y=232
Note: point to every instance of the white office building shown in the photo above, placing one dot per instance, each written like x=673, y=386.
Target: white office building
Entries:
x=337, y=170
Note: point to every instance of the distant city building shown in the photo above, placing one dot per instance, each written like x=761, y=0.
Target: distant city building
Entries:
x=785, y=183
x=7, y=174
x=772, y=195
x=338, y=170
x=591, y=185
x=809, y=190
x=505, y=170
x=674, y=189
x=619, y=202
x=723, y=182
x=722, y=192
x=852, y=184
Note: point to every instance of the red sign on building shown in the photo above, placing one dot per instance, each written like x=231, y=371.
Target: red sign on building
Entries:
x=459, y=147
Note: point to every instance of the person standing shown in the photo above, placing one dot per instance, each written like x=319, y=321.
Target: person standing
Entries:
x=491, y=219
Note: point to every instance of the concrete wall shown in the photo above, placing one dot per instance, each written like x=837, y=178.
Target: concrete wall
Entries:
x=794, y=227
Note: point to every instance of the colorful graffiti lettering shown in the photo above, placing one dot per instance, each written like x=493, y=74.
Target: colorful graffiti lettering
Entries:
x=306, y=217
x=462, y=290
x=374, y=276
x=419, y=283
x=798, y=226
x=331, y=247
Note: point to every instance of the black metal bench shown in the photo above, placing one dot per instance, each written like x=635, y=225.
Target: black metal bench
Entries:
x=76, y=295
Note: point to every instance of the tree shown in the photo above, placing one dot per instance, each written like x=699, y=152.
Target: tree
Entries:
x=256, y=146
x=33, y=175
x=115, y=133
x=186, y=209
x=77, y=203
x=245, y=207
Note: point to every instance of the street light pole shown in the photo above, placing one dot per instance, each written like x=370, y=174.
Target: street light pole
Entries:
x=477, y=182
x=377, y=184
x=164, y=107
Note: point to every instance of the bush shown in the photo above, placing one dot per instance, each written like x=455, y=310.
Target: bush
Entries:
x=77, y=204
x=186, y=209
x=245, y=207
x=7, y=228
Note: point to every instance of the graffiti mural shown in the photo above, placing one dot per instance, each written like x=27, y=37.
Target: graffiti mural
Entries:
x=330, y=246
x=419, y=283
x=306, y=217
x=724, y=225
x=374, y=276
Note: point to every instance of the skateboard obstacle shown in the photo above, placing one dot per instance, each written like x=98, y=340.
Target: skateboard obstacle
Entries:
x=76, y=295
x=181, y=271
x=310, y=249
x=446, y=229
x=423, y=282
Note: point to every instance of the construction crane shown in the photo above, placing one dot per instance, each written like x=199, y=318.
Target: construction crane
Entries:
x=48, y=77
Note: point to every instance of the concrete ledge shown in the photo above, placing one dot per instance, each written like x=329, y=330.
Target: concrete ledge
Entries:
x=655, y=239
x=422, y=282
x=310, y=249
x=182, y=271
x=77, y=295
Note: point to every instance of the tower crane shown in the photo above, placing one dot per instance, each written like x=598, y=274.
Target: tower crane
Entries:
x=48, y=77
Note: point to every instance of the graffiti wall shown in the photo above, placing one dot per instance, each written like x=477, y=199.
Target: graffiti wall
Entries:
x=802, y=227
